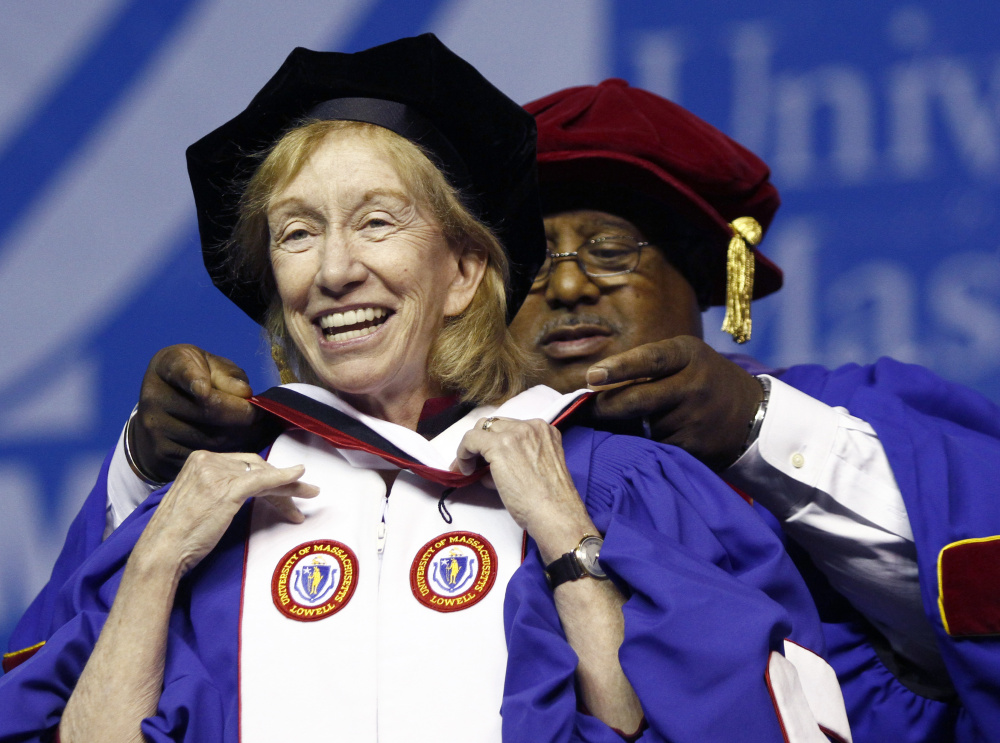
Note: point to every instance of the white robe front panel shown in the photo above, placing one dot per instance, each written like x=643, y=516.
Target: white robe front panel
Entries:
x=385, y=666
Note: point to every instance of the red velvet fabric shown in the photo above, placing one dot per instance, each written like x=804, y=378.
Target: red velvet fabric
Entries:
x=612, y=134
x=969, y=575
x=16, y=658
x=436, y=405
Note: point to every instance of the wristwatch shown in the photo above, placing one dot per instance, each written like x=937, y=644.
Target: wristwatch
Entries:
x=583, y=562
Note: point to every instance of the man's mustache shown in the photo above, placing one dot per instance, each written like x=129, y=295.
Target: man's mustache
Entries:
x=569, y=321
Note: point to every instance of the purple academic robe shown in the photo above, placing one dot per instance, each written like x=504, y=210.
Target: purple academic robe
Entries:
x=711, y=593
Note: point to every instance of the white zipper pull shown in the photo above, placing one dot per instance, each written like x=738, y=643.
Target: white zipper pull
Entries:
x=381, y=535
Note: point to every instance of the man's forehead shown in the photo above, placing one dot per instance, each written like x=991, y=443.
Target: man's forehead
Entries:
x=584, y=221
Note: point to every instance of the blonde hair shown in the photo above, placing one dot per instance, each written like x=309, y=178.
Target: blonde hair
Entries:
x=474, y=355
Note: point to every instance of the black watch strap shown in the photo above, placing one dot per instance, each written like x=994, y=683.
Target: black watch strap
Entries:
x=582, y=562
x=563, y=570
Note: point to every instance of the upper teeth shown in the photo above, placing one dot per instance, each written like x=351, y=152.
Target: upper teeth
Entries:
x=351, y=317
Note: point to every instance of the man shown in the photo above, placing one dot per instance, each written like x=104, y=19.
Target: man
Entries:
x=615, y=161
x=643, y=196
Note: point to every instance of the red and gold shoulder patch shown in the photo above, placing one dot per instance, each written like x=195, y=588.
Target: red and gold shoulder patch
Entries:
x=453, y=571
x=314, y=580
x=969, y=587
x=15, y=658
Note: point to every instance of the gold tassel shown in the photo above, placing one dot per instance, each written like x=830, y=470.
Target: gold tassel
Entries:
x=739, y=277
x=285, y=372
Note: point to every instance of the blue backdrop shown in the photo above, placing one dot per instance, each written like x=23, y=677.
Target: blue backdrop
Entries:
x=881, y=122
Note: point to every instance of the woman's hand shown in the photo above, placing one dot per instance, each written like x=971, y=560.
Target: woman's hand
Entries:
x=202, y=502
x=528, y=470
x=128, y=659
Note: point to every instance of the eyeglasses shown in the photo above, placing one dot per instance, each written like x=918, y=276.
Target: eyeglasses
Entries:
x=598, y=258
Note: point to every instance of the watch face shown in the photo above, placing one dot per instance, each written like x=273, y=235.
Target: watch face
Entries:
x=589, y=551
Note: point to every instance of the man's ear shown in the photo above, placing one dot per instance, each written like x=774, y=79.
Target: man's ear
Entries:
x=469, y=274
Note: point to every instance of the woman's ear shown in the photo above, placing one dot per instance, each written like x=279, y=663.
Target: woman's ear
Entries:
x=468, y=276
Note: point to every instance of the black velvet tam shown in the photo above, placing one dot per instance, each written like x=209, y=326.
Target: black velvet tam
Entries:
x=482, y=141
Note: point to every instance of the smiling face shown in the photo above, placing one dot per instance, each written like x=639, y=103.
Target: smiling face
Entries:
x=574, y=321
x=365, y=276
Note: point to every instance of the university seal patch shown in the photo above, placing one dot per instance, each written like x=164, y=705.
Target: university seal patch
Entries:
x=453, y=571
x=314, y=580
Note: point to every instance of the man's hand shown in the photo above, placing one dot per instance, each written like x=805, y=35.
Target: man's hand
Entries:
x=191, y=399
x=692, y=396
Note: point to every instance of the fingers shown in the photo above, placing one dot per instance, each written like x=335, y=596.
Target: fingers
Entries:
x=271, y=481
x=197, y=387
x=468, y=464
x=472, y=450
x=467, y=458
x=250, y=476
x=639, y=399
x=616, y=385
x=228, y=377
x=289, y=486
x=652, y=379
x=649, y=361
x=262, y=476
x=527, y=469
x=507, y=441
x=697, y=400
x=191, y=399
x=185, y=368
x=210, y=489
x=282, y=502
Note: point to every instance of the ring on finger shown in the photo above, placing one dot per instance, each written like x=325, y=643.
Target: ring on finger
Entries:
x=489, y=422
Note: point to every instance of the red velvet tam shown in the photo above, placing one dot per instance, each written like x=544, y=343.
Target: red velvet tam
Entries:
x=596, y=142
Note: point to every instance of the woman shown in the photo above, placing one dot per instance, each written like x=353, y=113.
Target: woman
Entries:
x=361, y=247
